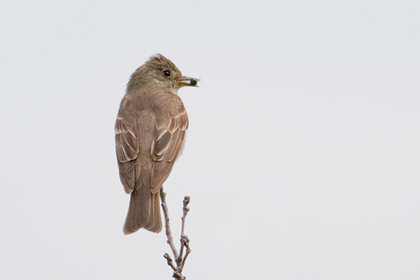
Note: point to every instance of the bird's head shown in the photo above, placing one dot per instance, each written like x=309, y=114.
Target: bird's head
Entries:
x=160, y=72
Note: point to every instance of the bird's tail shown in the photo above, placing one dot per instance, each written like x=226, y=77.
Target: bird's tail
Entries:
x=143, y=212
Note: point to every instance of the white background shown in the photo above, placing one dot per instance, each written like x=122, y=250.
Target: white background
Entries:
x=302, y=157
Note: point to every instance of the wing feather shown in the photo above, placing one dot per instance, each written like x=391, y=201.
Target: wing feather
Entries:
x=166, y=145
x=127, y=146
x=167, y=148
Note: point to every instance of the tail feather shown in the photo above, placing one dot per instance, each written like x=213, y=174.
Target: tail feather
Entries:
x=155, y=221
x=143, y=212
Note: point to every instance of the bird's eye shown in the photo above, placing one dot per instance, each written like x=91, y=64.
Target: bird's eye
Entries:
x=166, y=73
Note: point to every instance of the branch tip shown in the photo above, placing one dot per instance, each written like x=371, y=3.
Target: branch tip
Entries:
x=185, y=242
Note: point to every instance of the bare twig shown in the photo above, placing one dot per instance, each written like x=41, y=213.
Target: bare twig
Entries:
x=167, y=225
x=185, y=212
x=170, y=263
x=185, y=242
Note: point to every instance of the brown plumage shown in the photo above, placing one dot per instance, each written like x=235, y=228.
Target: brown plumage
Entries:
x=149, y=134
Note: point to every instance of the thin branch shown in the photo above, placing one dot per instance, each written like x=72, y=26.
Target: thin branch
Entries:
x=170, y=263
x=167, y=225
x=185, y=242
x=185, y=212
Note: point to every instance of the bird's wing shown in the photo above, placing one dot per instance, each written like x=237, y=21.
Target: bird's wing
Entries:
x=167, y=147
x=127, y=146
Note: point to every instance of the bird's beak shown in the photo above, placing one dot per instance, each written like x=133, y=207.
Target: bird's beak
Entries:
x=187, y=81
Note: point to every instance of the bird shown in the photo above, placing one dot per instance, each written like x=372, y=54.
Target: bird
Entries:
x=149, y=137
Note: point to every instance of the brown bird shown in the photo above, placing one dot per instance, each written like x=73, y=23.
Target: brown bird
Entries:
x=149, y=136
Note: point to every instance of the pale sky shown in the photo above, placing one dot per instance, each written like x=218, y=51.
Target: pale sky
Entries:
x=302, y=157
